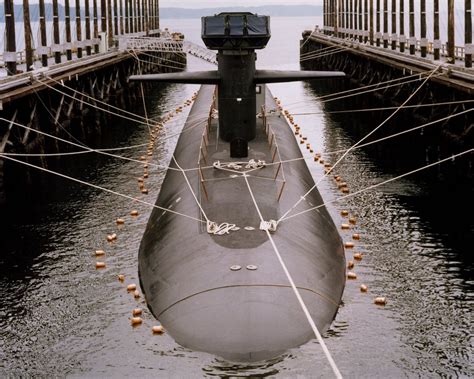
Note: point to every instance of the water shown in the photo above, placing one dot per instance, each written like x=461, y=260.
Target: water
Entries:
x=60, y=317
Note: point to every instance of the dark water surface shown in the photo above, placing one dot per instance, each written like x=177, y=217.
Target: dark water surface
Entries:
x=61, y=317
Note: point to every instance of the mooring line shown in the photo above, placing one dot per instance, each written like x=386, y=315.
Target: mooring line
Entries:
x=191, y=189
x=302, y=198
x=316, y=332
x=360, y=89
x=98, y=151
x=383, y=108
x=99, y=187
x=379, y=184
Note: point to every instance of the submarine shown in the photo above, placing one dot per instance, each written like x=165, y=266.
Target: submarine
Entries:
x=210, y=261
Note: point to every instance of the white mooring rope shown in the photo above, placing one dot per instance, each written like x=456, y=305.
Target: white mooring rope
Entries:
x=295, y=289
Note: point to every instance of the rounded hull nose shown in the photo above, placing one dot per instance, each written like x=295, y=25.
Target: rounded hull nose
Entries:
x=246, y=323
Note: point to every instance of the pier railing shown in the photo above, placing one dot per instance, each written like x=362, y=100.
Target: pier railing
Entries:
x=396, y=25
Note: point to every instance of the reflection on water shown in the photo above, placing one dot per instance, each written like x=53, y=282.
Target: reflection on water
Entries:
x=59, y=316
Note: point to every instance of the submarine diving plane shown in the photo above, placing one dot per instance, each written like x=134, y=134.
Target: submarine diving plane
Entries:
x=223, y=280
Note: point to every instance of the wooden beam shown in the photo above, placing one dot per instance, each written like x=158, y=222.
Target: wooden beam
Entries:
x=423, y=40
x=451, y=41
x=394, y=24
x=28, y=35
x=402, y=26
x=96, y=26
x=468, y=33
x=78, y=29
x=87, y=15
x=436, y=42
x=67, y=21
x=56, y=40
x=44, y=40
x=412, y=40
x=9, y=56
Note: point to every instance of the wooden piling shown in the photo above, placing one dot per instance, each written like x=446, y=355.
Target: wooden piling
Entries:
x=412, y=41
x=56, y=40
x=394, y=24
x=377, y=20
x=423, y=40
x=67, y=21
x=351, y=18
x=139, y=17
x=385, y=24
x=451, y=31
x=341, y=18
x=78, y=30
x=145, y=20
x=371, y=20
x=468, y=34
x=116, y=24
x=366, y=21
x=9, y=56
x=157, y=15
x=96, y=26
x=87, y=15
x=356, y=18
x=103, y=16
x=361, y=28
x=42, y=48
x=436, y=42
x=110, y=29
x=402, y=26
x=135, y=19
x=127, y=21
x=121, y=17
x=27, y=28
x=347, y=22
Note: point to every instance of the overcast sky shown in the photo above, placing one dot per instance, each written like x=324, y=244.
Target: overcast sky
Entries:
x=226, y=3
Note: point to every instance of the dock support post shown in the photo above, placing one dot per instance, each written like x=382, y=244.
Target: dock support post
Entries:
x=78, y=42
x=96, y=28
x=121, y=16
x=127, y=21
x=423, y=40
x=157, y=14
x=340, y=11
x=44, y=40
x=116, y=18
x=394, y=24
x=351, y=18
x=366, y=21
x=67, y=19
x=139, y=17
x=27, y=27
x=145, y=12
x=9, y=55
x=110, y=24
x=412, y=40
x=402, y=26
x=371, y=18
x=436, y=42
x=346, y=23
x=385, y=24
x=56, y=47
x=377, y=18
x=135, y=21
x=451, y=42
x=356, y=28
x=468, y=47
x=87, y=15
x=361, y=28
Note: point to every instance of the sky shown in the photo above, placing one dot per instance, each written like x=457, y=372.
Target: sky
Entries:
x=226, y=3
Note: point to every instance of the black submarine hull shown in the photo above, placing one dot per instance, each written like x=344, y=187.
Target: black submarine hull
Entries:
x=228, y=294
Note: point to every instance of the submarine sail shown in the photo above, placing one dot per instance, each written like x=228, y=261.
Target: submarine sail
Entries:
x=213, y=279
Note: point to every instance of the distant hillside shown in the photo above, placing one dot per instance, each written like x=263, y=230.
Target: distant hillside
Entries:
x=270, y=10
